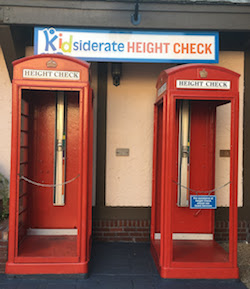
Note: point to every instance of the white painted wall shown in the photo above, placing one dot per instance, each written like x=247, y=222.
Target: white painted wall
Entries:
x=5, y=118
x=130, y=125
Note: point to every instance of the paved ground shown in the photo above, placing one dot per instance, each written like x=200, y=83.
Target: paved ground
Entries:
x=244, y=263
x=120, y=266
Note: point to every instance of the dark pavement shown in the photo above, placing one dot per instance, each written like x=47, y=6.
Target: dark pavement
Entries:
x=116, y=266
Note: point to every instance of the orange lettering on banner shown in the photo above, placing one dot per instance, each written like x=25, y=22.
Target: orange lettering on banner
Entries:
x=166, y=47
x=131, y=47
x=185, y=48
x=158, y=47
x=139, y=47
x=192, y=48
x=208, y=48
x=200, y=48
x=177, y=48
x=163, y=47
x=150, y=47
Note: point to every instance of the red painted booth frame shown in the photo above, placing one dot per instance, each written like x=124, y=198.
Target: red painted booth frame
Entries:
x=165, y=177
x=55, y=64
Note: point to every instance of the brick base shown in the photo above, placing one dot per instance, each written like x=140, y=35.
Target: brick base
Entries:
x=139, y=231
x=3, y=244
x=222, y=231
x=121, y=230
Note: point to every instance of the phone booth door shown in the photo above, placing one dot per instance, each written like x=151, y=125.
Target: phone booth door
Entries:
x=50, y=194
x=189, y=101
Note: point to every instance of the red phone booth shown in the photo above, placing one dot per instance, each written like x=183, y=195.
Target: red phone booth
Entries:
x=51, y=167
x=183, y=199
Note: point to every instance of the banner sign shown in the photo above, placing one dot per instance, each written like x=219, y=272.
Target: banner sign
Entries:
x=202, y=202
x=129, y=46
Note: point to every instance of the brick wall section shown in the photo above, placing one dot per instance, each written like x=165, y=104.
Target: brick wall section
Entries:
x=121, y=230
x=222, y=231
x=4, y=229
x=139, y=230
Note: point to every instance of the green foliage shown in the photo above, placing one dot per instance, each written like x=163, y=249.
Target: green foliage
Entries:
x=4, y=195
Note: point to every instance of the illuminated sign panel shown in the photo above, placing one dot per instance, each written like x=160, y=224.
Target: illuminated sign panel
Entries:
x=128, y=46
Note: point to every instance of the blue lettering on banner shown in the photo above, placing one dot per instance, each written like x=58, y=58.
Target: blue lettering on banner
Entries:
x=203, y=202
x=50, y=38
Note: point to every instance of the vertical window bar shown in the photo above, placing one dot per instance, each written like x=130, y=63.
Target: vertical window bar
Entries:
x=60, y=151
x=184, y=150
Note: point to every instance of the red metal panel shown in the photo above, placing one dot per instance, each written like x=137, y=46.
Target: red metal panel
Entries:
x=196, y=252
x=158, y=172
x=90, y=170
x=85, y=128
x=201, y=169
x=47, y=268
x=167, y=176
x=153, y=208
x=13, y=176
x=48, y=247
x=163, y=245
x=157, y=204
x=200, y=273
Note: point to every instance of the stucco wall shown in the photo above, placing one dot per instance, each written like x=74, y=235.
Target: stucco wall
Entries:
x=130, y=125
x=5, y=118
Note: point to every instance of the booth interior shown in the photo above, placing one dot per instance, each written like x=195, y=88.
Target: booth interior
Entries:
x=49, y=155
x=195, y=151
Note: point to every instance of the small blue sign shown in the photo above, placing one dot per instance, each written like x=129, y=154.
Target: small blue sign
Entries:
x=203, y=202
